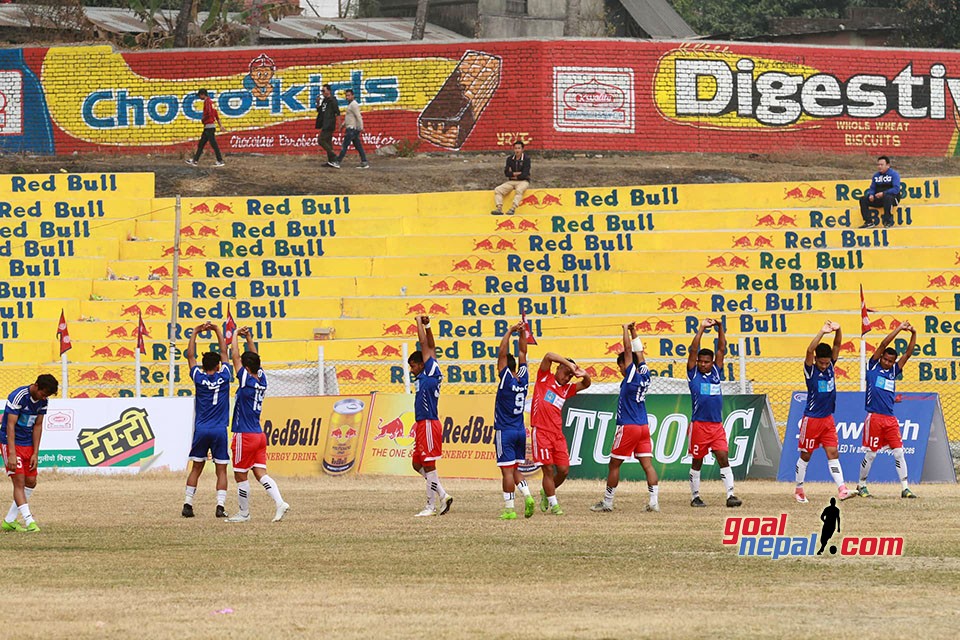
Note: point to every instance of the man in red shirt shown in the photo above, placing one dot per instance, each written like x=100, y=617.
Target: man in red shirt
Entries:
x=549, y=446
x=210, y=120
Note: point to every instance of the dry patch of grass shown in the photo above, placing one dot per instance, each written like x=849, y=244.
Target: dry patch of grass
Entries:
x=115, y=559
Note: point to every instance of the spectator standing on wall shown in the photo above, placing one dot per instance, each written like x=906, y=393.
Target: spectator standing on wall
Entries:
x=517, y=172
x=884, y=192
x=353, y=123
x=327, y=113
x=210, y=120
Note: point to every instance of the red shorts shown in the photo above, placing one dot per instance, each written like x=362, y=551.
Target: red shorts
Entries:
x=817, y=432
x=879, y=431
x=632, y=441
x=23, y=461
x=706, y=437
x=549, y=447
x=249, y=451
x=427, y=441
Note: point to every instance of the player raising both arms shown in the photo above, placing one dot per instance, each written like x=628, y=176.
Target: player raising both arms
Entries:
x=817, y=427
x=427, y=431
x=20, y=445
x=249, y=442
x=881, y=430
x=511, y=435
x=704, y=374
x=211, y=417
x=633, y=428
x=549, y=446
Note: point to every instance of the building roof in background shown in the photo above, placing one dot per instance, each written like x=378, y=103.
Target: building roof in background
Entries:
x=659, y=20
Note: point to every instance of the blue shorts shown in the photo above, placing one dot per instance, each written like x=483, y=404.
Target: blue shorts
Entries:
x=511, y=446
x=213, y=440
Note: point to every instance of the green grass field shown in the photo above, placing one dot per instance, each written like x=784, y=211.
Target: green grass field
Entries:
x=116, y=560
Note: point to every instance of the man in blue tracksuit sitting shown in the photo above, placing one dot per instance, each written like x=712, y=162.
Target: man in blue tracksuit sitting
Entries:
x=884, y=192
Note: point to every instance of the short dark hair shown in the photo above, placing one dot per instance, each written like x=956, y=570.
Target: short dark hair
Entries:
x=573, y=362
x=824, y=350
x=622, y=357
x=519, y=142
x=890, y=351
x=705, y=352
x=46, y=382
x=202, y=92
x=327, y=87
x=511, y=363
x=415, y=358
x=250, y=360
x=884, y=158
x=350, y=91
x=211, y=361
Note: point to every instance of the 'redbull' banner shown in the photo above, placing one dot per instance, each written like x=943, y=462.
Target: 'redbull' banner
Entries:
x=926, y=449
x=116, y=435
x=590, y=425
x=597, y=94
x=315, y=435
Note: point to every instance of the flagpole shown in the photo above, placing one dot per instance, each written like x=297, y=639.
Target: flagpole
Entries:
x=63, y=375
x=171, y=334
x=863, y=363
x=138, y=373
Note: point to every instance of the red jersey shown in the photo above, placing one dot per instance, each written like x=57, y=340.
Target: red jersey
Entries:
x=210, y=115
x=548, y=400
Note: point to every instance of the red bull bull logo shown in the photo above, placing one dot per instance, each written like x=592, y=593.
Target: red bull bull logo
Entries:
x=495, y=244
x=390, y=430
x=205, y=209
x=540, y=200
x=776, y=220
x=727, y=261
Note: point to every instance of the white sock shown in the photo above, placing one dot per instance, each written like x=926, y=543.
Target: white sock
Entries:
x=694, y=483
x=801, y=470
x=552, y=501
x=422, y=472
x=272, y=489
x=24, y=510
x=654, y=494
x=868, y=459
x=508, y=500
x=434, y=479
x=901, y=463
x=243, y=497
x=835, y=472
x=608, y=496
x=726, y=474
x=524, y=489
x=221, y=497
x=431, y=493
x=14, y=510
x=188, y=495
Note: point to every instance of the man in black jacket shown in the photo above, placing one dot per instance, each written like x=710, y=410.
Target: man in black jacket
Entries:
x=517, y=172
x=327, y=113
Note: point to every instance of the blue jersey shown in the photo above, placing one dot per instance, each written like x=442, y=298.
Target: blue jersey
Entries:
x=885, y=183
x=881, y=388
x=20, y=403
x=211, y=398
x=250, y=393
x=511, y=398
x=821, y=391
x=706, y=394
x=633, y=391
x=428, y=391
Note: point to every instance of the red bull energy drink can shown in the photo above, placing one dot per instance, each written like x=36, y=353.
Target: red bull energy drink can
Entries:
x=343, y=437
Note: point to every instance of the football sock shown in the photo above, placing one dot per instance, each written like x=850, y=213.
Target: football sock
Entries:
x=552, y=501
x=868, y=459
x=243, y=497
x=24, y=510
x=694, y=483
x=434, y=479
x=524, y=489
x=221, y=497
x=608, y=496
x=431, y=494
x=835, y=472
x=188, y=495
x=726, y=474
x=801, y=470
x=654, y=494
x=901, y=463
x=14, y=511
x=508, y=500
x=272, y=489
